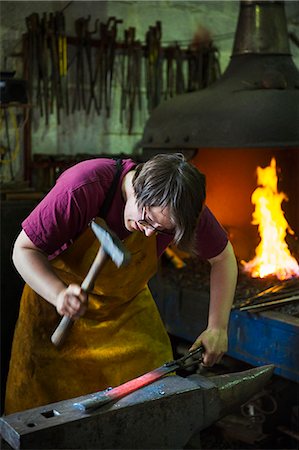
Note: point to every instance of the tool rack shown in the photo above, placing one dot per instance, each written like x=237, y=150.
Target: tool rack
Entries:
x=67, y=74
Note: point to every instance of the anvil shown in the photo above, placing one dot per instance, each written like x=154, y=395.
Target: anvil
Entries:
x=162, y=415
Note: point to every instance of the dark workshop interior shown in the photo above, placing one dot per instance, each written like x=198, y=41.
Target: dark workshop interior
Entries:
x=219, y=82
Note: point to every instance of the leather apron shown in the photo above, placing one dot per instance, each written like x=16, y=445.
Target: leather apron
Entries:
x=120, y=337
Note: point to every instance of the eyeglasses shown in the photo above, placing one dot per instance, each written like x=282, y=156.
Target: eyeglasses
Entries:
x=149, y=226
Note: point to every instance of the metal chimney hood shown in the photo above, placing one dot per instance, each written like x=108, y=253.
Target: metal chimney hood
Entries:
x=254, y=104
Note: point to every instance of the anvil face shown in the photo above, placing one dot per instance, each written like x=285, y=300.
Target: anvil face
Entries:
x=164, y=414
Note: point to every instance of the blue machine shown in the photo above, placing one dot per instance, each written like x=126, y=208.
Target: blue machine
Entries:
x=255, y=338
x=266, y=338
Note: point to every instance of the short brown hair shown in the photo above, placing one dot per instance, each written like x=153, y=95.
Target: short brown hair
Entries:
x=168, y=180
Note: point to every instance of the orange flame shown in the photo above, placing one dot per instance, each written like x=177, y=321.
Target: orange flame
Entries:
x=272, y=255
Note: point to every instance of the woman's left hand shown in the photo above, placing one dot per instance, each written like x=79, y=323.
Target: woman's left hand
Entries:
x=215, y=344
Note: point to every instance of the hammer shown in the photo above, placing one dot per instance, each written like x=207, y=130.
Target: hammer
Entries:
x=111, y=246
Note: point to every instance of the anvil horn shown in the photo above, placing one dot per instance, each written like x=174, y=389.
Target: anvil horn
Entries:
x=164, y=414
x=234, y=389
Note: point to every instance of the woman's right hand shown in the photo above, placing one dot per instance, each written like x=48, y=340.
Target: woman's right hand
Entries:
x=72, y=302
x=37, y=271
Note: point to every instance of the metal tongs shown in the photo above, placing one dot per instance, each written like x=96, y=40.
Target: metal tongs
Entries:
x=98, y=399
x=181, y=362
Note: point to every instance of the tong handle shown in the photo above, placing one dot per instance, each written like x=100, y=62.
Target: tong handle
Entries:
x=200, y=349
x=180, y=361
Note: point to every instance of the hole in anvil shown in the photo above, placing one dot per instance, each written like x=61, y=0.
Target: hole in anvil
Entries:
x=51, y=413
x=31, y=424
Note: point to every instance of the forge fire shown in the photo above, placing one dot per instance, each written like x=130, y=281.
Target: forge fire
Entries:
x=272, y=255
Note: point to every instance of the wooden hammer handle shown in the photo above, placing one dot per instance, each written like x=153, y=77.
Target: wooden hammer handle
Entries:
x=60, y=333
x=66, y=322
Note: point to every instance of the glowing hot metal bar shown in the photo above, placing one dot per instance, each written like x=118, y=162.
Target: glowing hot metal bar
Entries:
x=112, y=394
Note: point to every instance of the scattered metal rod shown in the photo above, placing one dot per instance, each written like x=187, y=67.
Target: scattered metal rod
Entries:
x=266, y=298
x=269, y=304
x=278, y=287
x=274, y=292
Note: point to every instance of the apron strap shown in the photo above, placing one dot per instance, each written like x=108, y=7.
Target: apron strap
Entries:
x=111, y=191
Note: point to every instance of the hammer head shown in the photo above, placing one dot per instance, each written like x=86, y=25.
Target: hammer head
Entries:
x=111, y=244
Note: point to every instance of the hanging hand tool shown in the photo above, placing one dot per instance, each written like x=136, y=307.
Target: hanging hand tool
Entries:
x=195, y=68
x=123, y=66
x=79, y=94
x=7, y=148
x=154, y=65
x=111, y=246
x=38, y=56
x=27, y=59
x=105, y=64
x=33, y=54
x=36, y=62
x=111, y=33
x=100, y=66
x=44, y=64
x=56, y=96
x=169, y=56
x=92, y=76
x=179, y=78
x=113, y=394
x=175, y=84
x=131, y=77
x=62, y=57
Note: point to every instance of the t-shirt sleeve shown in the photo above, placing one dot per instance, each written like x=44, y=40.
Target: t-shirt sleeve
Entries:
x=62, y=215
x=73, y=202
x=211, y=237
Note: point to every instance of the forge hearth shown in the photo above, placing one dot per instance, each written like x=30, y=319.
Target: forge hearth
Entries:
x=267, y=337
x=195, y=276
x=231, y=180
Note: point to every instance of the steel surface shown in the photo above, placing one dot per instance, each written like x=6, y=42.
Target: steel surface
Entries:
x=164, y=414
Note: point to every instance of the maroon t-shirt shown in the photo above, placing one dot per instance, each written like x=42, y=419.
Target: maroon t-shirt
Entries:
x=77, y=197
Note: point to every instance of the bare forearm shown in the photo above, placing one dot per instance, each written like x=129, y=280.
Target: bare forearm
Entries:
x=223, y=283
x=38, y=273
x=34, y=267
